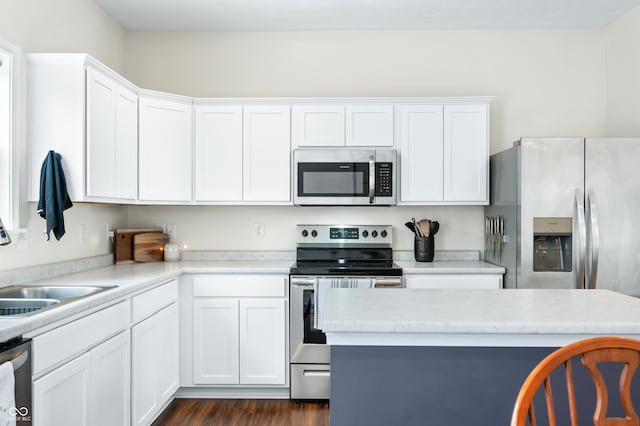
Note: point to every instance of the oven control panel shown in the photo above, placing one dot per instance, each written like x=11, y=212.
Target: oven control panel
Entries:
x=345, y=234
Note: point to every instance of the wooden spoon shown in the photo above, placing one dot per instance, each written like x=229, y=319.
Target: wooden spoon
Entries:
x=424, y=225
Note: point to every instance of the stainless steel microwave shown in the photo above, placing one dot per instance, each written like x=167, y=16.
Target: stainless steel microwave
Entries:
x=343, y=176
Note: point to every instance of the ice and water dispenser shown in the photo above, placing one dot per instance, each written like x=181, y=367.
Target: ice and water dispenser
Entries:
x=552, y=244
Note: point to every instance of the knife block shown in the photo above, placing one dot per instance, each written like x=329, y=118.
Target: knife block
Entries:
x=423, y=248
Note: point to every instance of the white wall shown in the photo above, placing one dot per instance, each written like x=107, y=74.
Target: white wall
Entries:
x=60, y=26
x=623, y=75
x=546, y=83
x=232, y=228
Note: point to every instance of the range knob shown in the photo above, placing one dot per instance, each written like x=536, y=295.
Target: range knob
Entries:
x=314, y=233
x=365, y=233
x=374, y=234
x=305, y=233
x=383, y=234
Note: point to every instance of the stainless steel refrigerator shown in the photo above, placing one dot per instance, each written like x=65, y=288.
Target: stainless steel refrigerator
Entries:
x=565, y=213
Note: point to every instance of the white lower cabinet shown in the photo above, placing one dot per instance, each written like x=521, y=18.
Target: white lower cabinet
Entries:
x=239, y=337
x=62, y=396
x=92, y=389
x=262, y=342
x=154, y=364
x=239, y=341
x=216, y=343
x=110, y=381
x=453, y=281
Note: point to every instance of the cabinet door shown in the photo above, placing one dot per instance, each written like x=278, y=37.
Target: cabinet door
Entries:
x=110, y=381
x=112, y=138
x=267, y=153
x=466, y=153
x=165, y=150
x=145, y=350
x=218, y=153
x=168, y=368
x=369, y=125
x=126, y=153
x=215, y=341
x=262, y=341
x=62, y=396
x=421, y=144
x=101, y=134
x=317, y=125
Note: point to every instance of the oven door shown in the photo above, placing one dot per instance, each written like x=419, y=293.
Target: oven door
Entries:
x=307, y=343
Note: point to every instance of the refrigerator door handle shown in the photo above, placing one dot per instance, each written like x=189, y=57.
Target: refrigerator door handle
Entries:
x=595, y=239
x=582, y=240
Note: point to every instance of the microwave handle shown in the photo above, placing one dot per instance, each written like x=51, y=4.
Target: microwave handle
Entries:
x=372, y=179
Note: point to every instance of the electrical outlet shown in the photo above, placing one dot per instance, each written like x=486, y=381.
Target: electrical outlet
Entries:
x=109, y=232
x=83, y=235
x=171, y=230
x=22, y=240
x=258, y=230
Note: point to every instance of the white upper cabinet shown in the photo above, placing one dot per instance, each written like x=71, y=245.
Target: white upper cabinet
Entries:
x=126, y=167
x=218, y=153
x=466, y=153
x=444, y=153
x=421, y=150
x=369, y=125
x=366, y=125
x=318, y=125
x=165, y=145
x=112, y=138
x=89, y=115
x=267, y=153
x=121, y=144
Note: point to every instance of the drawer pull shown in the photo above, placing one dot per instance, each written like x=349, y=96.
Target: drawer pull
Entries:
x=316, y=373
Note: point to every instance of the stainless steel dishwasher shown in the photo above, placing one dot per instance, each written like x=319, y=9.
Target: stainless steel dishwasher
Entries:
x=18, y=352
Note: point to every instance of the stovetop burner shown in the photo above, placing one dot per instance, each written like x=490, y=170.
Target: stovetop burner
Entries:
x=346, y=270
x=345, y=250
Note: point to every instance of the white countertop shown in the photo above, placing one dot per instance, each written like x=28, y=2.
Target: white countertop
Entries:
x=450, y=267
x=132, y=278
x=128, y=279
x=412, y=317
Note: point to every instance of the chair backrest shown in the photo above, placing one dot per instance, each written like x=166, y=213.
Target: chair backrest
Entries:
x=591, y=352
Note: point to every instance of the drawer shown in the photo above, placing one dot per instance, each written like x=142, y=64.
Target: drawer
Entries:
x=62, y=343
x=454, y=281
x=310, y=381
x=240, y=285
x=148, y=303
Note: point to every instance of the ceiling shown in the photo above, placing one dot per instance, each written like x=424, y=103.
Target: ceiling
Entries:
x=336, y=15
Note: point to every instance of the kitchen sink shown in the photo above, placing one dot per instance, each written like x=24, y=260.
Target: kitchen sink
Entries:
x=24, y=307
x=19, y=301
x=49, y=292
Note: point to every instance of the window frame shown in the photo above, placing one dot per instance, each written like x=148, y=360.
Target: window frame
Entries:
x=11, y=214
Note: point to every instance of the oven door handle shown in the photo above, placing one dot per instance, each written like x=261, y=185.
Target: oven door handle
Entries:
x=388, y=282
x=302, y=282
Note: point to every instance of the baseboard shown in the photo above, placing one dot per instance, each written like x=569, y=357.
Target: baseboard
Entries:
x=234, y=393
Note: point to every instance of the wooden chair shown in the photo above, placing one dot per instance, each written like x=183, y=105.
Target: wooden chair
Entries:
x=591, y=352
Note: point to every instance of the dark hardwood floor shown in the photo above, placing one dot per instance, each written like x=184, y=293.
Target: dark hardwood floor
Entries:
x=244, y=412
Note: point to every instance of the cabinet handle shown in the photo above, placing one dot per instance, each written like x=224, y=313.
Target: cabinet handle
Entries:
x=372, y=180
x=316, y=373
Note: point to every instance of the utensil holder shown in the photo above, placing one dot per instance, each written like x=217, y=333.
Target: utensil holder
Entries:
x=423, y=249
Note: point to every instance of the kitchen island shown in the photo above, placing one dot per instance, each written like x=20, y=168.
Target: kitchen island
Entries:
x=455, y=357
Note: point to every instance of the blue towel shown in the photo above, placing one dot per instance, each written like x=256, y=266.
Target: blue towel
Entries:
x=54, y=198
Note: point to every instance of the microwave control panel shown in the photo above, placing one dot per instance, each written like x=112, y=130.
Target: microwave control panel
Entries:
x=384, y=179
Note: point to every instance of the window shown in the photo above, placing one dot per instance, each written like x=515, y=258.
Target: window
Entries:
x=9, y=189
